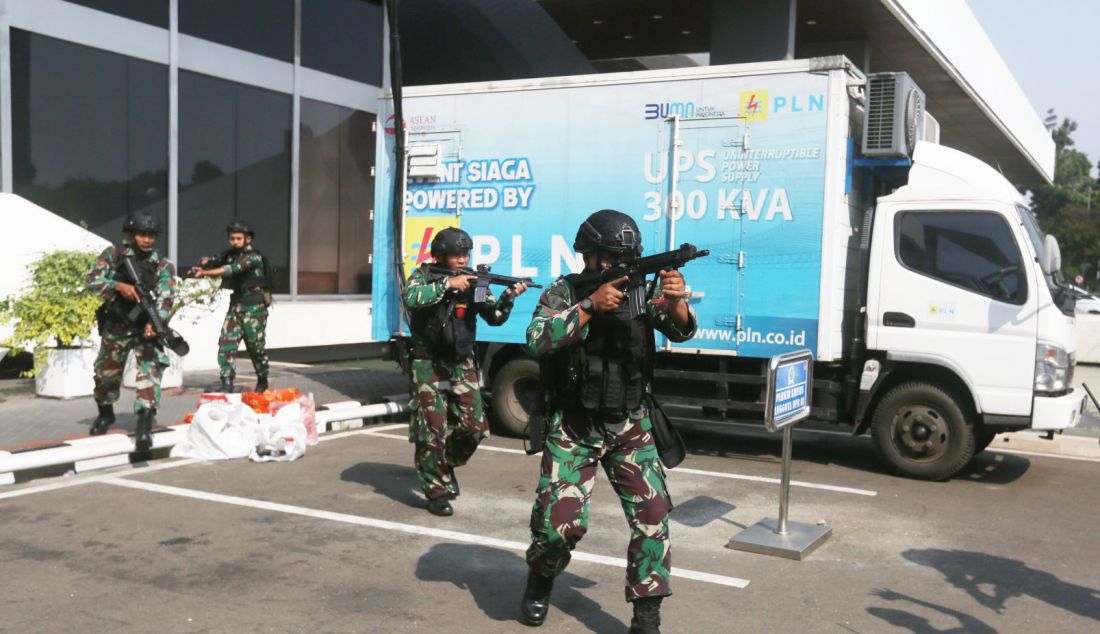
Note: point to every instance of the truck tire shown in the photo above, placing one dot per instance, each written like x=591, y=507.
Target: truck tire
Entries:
x=515, y=388
x=920, y=431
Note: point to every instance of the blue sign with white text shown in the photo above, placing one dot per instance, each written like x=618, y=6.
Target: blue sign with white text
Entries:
x=792, y=390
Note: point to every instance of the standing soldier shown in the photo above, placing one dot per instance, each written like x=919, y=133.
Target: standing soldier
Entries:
x=448, y=414
x=119, y=335
x=593, y=359
x=246, y=272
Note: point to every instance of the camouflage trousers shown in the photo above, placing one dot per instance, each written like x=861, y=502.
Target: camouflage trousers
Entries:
x=248, y=323
x=448, y=422
x=559, y=518
x=111, y=361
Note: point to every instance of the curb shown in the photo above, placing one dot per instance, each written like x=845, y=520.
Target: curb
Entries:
x=89, y=453
x=1061, y=445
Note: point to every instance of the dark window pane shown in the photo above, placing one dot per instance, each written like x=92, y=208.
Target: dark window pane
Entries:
x=234, y=163
x=343, y=37
x=336, y=198
x=90, y=132
x=265, y=27
x=973, y=250
x=153, y=12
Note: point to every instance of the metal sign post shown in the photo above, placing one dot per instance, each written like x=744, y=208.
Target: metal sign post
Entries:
x=789, y=395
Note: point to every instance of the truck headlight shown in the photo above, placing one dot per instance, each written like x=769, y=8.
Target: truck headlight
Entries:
x=1053, y=368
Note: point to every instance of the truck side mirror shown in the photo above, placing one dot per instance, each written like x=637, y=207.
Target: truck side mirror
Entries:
x=1051, y=262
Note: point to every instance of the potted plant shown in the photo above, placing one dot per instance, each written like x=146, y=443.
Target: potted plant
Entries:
x=195, y=299
x=53, y=318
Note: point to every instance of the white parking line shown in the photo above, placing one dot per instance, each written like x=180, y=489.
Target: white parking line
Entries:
x=77, y=480
x=1038, y=454
x=413, y=529
x=379, y=432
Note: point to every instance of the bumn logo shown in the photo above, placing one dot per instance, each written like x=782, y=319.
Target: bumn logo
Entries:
x=665, y=110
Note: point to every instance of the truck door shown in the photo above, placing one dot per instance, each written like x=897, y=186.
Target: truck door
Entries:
x=952, y=287
x=693, y=205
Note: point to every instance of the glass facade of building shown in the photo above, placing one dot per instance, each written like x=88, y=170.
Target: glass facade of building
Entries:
x=104, y=110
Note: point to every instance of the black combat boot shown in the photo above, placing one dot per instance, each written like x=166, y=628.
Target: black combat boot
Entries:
x=454, y=492
x=143, y=434
x=536, y=598
x=261, y=382
x=647, y=616
x=226, y=386
x=105, y=419
x=440, y=507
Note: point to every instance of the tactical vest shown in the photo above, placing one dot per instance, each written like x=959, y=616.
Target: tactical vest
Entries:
x=120, y=308
x=448, y=329
x=608, y=373
x=247, y=288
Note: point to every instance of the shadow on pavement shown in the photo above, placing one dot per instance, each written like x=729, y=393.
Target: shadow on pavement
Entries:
x=992, y=580
x=852, y=452
x=702, y=510
x=496, y=579
x=994, y=468
x=397, y=482
x=920, y=625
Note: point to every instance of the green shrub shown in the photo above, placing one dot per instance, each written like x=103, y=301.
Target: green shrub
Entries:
x=54, y=308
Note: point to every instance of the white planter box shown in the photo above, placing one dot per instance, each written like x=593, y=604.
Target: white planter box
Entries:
x=172, y=376
x=68, y=373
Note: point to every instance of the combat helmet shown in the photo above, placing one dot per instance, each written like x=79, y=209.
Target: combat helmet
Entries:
x=611, y=231
x=451, y=240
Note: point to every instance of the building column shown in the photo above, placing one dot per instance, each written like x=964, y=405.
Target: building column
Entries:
x=173, y=134
x=5, y=98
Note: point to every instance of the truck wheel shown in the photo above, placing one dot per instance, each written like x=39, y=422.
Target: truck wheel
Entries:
x=516, y=389
x=920, y=431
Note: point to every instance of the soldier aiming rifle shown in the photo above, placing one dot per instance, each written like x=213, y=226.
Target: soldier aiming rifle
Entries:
x=448, y=414
x=247, y=273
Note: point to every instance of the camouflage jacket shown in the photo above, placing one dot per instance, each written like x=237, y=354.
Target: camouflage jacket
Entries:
x=556, y=322
x=422, y=293
x=248, y=266
x=102, y=280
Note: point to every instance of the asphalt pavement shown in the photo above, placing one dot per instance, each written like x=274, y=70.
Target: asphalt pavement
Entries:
x=340, y=541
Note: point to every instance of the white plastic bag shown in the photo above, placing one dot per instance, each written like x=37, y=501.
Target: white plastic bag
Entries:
x=282, y=437
x=220, y=430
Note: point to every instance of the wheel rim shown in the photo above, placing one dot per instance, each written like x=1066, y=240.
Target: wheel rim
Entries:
x=920, y=433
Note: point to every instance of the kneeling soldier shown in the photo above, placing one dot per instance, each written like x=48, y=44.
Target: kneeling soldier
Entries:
x=119, y=335
x=448, y=415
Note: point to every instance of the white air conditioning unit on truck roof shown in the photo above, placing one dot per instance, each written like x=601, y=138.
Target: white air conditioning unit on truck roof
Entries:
x=895, y=115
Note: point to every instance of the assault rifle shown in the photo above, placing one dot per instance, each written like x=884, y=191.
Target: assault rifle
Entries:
x=637, y=270
x=484, y=279
x=166, y=337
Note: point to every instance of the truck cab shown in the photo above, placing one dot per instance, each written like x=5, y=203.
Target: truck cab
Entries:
x=968, y=332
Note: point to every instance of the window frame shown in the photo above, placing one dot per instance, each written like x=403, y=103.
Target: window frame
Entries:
x=899, y=218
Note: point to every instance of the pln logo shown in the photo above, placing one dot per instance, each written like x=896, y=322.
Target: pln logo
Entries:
x=754, y=105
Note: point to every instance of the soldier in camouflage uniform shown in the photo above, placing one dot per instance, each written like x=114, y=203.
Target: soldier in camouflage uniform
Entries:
x=448, y=414
x=598, y=416
x=119, y=335
x=246, y=272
